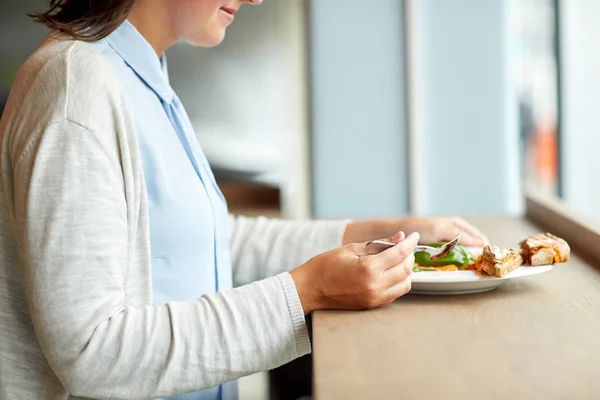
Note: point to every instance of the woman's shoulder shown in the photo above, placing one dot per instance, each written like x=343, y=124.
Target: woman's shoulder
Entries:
x=70, y=77
x=63, y=63
x=66, y=82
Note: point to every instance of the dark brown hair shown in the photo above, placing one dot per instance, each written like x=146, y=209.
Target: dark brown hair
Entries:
x=87, y=20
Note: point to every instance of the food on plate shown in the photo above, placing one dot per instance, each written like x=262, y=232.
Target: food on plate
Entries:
x=459, y=258
x=544, y=249
x=538, y=249
x=498, y=262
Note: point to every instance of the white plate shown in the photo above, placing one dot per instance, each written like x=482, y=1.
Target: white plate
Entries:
x=464, y=282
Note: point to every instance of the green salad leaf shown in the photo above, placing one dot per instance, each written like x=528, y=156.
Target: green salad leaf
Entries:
x=459, y=256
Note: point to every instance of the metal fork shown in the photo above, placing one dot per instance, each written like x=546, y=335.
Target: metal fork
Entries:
x=435, y=253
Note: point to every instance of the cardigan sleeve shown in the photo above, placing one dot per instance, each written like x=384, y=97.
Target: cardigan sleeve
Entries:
x=263, y=247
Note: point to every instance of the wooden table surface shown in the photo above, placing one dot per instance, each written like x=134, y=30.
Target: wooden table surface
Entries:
x=532, y=338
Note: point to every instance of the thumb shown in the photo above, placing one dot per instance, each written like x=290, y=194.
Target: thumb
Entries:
x=361, y=248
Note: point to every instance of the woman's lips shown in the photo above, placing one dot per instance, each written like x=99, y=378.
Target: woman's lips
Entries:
x=228, y=12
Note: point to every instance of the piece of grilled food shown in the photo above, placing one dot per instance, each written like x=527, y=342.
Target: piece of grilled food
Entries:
x=544, y=249
x=498, y=262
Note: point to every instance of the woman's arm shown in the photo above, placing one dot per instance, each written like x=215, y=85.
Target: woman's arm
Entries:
x=263, y=247
x=71, y=218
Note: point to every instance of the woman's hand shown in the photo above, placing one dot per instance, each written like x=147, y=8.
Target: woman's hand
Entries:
x=443, y=229
x=348, y=278
x=431, y=230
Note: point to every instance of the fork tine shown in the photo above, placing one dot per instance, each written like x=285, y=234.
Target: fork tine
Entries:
x=454, y=241
x=434, y=253
x=445, y=249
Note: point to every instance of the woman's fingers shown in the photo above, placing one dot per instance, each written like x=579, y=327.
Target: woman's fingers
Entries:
x=471, y=236
x=398, y=290
x=397, y=254
x=398, y=236
x=394, y=275
x=359, y=248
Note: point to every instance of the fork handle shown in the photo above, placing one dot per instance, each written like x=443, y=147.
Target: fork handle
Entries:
x=380, y=245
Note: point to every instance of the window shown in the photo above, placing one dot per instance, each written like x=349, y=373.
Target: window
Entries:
x=537, y=87
x=559, y=94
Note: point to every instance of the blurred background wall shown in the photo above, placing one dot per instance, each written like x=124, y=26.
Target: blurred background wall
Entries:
x=18, y=38
x=366, y=109
x=357, y=99
x=465, y=140
x=247, y=101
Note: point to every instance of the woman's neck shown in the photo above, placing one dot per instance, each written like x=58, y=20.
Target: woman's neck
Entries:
x=152, y=20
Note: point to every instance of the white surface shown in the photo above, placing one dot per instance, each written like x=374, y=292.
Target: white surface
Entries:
x=228, y=150
x=463, y=282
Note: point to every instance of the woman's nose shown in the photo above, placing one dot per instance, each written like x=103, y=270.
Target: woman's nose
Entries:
x=255, y=2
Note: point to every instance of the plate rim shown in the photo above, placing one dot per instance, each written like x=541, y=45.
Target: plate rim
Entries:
x=474, y=276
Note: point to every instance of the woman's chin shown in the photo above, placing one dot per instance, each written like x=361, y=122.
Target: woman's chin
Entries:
x=212, y=40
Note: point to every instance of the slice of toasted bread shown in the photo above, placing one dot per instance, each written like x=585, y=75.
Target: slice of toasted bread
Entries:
x=498, y=262
x=544, y=249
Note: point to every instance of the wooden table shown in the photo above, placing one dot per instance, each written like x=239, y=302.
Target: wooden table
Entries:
x=534, y=338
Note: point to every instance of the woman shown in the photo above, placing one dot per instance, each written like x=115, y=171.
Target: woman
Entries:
x=117, y=253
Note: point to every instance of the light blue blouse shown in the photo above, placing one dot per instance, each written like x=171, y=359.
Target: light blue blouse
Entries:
x=189, y=234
